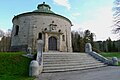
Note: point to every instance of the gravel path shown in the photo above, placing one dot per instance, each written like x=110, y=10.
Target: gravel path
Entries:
x=104, y=73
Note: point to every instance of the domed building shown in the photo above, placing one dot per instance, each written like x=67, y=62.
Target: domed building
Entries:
x=41, y=24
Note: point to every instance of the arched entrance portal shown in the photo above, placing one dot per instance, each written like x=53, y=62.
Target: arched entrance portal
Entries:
x=52, y=43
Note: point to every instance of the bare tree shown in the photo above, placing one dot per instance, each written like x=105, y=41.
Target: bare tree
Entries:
x=5, y=40
x=1, y=33
x=79, y=38
x=116, y=16
x=8, y=33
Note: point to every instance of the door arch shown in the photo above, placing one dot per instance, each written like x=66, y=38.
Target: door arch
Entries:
x=52, y=43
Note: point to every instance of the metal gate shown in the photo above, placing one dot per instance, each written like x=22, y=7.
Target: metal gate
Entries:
x=52, y=43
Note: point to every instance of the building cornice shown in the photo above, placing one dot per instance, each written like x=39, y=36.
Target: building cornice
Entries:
x=40, y=13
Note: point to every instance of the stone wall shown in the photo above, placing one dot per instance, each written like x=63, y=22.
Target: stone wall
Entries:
x=30, y=25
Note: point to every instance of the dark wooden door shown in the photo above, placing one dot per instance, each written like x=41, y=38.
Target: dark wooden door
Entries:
x=52, y=43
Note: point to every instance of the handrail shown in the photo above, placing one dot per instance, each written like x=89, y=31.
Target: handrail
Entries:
x=99, y=57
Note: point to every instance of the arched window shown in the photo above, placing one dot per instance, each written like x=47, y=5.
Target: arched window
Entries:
x=16, y=29
x=40, y=36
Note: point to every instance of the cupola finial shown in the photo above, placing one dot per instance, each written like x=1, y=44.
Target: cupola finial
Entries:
x=43, y=2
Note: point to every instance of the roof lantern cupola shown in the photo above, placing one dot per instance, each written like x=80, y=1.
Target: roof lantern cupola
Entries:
x=43, y=8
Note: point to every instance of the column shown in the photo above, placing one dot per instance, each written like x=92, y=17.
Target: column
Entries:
x=46, y=42
x=60, y=47
x=70, y=43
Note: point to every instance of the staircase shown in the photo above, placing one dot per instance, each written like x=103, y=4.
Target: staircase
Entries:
x=63, y=61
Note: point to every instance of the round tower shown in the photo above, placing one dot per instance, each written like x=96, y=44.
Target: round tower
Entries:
x=44, y=24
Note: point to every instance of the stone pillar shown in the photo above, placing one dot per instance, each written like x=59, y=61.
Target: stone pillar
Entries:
x=34, y=68
x=46, y=42
x=88, y=48
x=60, y=46
x=40, y=55
x=39, y=51
x=114, y=61
x=70, y=44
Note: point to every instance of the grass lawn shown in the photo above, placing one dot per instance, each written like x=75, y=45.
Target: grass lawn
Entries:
x=13, y=66
x=109, y=55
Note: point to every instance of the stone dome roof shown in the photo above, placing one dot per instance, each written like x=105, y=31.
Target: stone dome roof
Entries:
x=43, y=8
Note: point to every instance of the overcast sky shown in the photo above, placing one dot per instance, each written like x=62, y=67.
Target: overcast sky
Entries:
x=95, y=15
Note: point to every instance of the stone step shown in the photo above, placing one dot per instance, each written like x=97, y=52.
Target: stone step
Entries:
x=53, y=62
x=69, y=64
x=85, y=54
x=46, y=56
x=58, y=53
x=57, y=63
x=75, y=68
x=67, y=54
x=67, y=57
x=68, y=61
x=88, y=58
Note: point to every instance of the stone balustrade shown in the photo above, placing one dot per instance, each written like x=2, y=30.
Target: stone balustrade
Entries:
x=36, y=66
x=88, y=49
